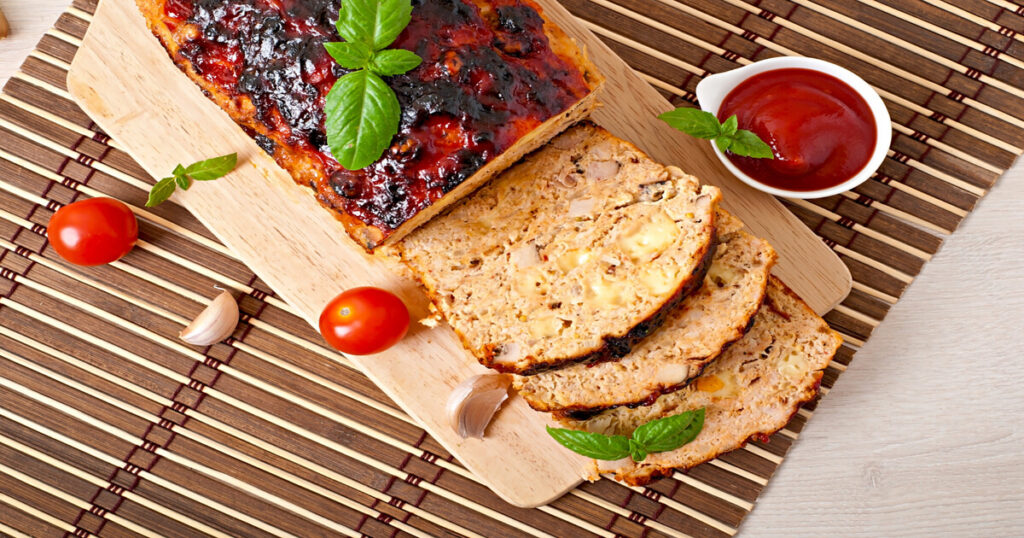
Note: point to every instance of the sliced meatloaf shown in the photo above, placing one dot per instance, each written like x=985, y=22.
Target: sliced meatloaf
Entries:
x=693, y=335
x=498, y=80
x=574, y=254
x=751, y=390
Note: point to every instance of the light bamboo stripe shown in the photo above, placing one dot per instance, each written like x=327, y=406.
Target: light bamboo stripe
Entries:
x=161, y=400
x=962, y=13
x=670, y=30
x=662, y=84
x=588, y=526
x=1009, y=6
x=921, y=81
x=928, y=198
x=907, y=16
x=616, y=509
x=45, y=488
x=691, y=512
x=406, y=448
x=84, y=15
x=837, y=365
x=51, y=60
x=861, y=229
x=874, y=293
x=764, y=454
x=56, y=120
x=959, y=154
x=743, y=61
x=711, y=490
x=845, y=310
x=917, y=49
x=893, y=272
x=903, y=215
x=43, y=85
x=80, y=474
x=125, y=436
x=789, y=433
x=743, y=473
x=674, y=4
x=14, y=533
x=38, y=514
x=110, y=460
x=852, y=341
x=669, y=59
x=806, y=413
x=938, y=174
x=64, y=36
x=266, y=416
x=235, y=454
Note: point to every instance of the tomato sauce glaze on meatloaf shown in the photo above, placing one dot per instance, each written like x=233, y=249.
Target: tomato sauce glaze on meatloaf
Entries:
x=493, y=71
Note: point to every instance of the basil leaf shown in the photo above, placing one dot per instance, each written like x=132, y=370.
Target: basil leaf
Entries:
x=376, y=23
x=212, y=168
x=670, y=433
x=362, y=117
x=747, y=144
x=592, y=445
x=723, y=142
x=351, y=54
x=637, y=451
x=161, y=191
x=729, y=125
x=182, y=181
x=693, y=121
x=179, y=170
x=394, y=62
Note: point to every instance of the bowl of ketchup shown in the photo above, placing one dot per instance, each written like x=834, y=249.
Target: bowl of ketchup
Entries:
x=829, y=131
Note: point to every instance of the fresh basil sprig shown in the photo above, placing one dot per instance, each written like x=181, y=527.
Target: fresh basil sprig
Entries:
x=362, y=111
x=700, y=124
x=183, y=176
x=660, y=435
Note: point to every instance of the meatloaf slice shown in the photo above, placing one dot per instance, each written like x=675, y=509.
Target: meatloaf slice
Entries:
x=574, y=254
x=751, y=390
x=498, y=80
x=694, y=334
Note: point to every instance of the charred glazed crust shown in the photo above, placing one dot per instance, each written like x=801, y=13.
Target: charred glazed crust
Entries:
x=615, y=347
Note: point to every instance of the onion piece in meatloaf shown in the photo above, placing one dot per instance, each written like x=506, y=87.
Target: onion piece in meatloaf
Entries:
x=751, y=390
x=574, y=254
x=497, y=81
x=719, y=313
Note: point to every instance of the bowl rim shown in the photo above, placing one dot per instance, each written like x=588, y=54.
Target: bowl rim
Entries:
x=712, y=90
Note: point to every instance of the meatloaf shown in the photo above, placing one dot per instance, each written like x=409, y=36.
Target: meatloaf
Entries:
x=706, y=322
x=497, y=81
x=750, y=391
x=574, y=254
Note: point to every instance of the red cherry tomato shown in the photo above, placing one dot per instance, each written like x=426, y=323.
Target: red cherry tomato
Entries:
x=93, y=231
x=363, y=321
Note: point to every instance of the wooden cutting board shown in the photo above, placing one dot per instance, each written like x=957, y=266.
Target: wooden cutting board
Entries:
x=122, y=77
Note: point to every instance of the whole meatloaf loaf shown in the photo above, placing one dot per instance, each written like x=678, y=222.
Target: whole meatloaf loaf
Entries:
x=497, y=81
x=750, y=391
x=716, y=315
x=574, y=254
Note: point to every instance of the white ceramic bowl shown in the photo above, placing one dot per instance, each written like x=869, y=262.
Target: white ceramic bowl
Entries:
x=713, y=89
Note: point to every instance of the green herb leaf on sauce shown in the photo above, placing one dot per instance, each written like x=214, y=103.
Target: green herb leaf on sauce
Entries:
x=362, y=110
x=726, y=135
x=660, y=435
x=183, y=176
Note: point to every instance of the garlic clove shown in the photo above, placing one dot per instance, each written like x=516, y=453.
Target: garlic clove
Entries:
x=215, y=323
x=474, y=402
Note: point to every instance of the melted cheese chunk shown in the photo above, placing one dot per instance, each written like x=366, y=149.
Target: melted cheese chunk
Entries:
x=601, y=293
x=545, y=327
x=574, y=258
x=794, y=364
x=645, y=240
x=658, y=281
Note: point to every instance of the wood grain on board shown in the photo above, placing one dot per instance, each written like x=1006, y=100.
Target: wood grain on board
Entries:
x=302, y=252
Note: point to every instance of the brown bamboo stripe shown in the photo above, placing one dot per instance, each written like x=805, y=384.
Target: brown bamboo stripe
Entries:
x=282, y=425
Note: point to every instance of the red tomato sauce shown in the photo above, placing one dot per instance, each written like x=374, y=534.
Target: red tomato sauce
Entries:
x=820, y=129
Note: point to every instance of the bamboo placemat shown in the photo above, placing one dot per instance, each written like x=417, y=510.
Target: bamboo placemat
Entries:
x=110, y=426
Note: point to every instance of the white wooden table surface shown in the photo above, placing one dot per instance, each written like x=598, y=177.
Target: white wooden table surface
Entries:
x=924, y=434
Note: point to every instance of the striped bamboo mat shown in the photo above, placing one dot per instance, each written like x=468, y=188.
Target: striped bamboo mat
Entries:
x=110, y=426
